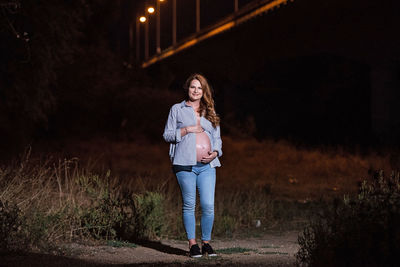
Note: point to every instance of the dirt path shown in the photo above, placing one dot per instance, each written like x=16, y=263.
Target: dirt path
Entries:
x=270, y=250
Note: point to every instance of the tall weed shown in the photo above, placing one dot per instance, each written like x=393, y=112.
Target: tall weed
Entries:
x=11, y=227
x=43, y=202
x=357, y=231
x=149, y=215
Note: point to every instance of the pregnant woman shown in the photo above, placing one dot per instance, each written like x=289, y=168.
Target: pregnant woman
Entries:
x=193, y=131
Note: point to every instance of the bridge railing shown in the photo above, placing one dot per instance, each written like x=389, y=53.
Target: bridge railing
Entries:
x=247, y=12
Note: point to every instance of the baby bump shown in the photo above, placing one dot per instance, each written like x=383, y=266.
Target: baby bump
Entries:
x=203, y=145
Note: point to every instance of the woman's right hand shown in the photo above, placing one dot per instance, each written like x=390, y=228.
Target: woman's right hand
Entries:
x=194, y=129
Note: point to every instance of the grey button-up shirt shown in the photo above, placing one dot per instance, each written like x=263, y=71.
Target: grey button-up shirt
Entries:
x=182, y=150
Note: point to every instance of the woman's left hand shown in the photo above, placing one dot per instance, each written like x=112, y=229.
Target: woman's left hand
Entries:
x=211, y=155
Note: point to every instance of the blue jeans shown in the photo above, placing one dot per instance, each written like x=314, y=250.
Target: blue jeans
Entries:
x=202, y=176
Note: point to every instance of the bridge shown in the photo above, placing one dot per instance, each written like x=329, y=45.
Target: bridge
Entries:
x=240, y=15
x=295, y=68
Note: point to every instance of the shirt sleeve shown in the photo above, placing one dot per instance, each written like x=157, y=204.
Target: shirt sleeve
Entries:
x=171, y=133
x=217, y=140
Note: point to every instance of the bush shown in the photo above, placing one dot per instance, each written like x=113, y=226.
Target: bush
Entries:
x=237, y=210
x=11, y=227
x=44, y=203
x=359, y=231
x=225, y=225
x=143, y=216
x=103, y=214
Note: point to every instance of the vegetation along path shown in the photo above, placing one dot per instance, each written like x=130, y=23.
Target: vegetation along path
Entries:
x=273, y=249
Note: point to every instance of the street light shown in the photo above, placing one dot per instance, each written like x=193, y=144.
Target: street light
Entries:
x=146, y=40
x=141, y=19
x=150, y=10
x=145, y=19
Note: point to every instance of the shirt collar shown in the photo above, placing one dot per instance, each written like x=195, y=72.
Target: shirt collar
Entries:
x=183, y=104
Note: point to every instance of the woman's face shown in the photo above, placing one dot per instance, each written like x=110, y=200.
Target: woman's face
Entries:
x=195, y=90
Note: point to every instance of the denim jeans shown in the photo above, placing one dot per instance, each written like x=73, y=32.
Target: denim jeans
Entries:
x=202, y=176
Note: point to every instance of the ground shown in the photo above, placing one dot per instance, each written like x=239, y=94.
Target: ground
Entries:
x=272, y=249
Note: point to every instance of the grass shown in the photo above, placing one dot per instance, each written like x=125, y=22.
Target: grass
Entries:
x=45, y=202
x=357, y=230
x=233, y=250
x=120, y=244
x=276, y=168
x=274, y=182
x=86, y=191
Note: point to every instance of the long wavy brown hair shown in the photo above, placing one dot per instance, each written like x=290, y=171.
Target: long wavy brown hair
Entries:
x=206, y=108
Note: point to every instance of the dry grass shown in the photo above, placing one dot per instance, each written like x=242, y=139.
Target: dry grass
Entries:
x=254, y=175
x=278, y=168
x=54, y=199
x=264, y=182
x=295, y=173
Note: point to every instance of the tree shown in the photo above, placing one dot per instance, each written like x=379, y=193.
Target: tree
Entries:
x=38, y=37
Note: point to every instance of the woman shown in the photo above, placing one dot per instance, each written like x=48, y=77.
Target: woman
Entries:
x=193, y=132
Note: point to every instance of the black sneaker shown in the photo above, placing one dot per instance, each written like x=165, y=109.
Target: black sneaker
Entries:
x=195, y=251
x=206, y=248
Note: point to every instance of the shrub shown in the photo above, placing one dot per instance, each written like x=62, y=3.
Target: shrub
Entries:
x=358, y=231
x=148, y=216
x=225, y=225
x=237, y=210
x=43, y=203
x=103, y=214
x=11, y=227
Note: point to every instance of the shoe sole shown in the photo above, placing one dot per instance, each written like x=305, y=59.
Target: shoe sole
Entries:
x=196, y=256
x=210, y=255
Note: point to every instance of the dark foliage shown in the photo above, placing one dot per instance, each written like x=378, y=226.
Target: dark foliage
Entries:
x=38, y=37
x=11, y=227
x=58, y=71
x=360, y=231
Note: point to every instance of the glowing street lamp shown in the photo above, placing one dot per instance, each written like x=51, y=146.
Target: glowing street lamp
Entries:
x=150, y=10
x=142, y=19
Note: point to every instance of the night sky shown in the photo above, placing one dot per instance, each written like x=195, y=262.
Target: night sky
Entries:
x=315, y=70
x=312, y=72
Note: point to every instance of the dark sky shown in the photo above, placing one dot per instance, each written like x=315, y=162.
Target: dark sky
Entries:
x=315, y=71
x=330, y=67
x=210, y=10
